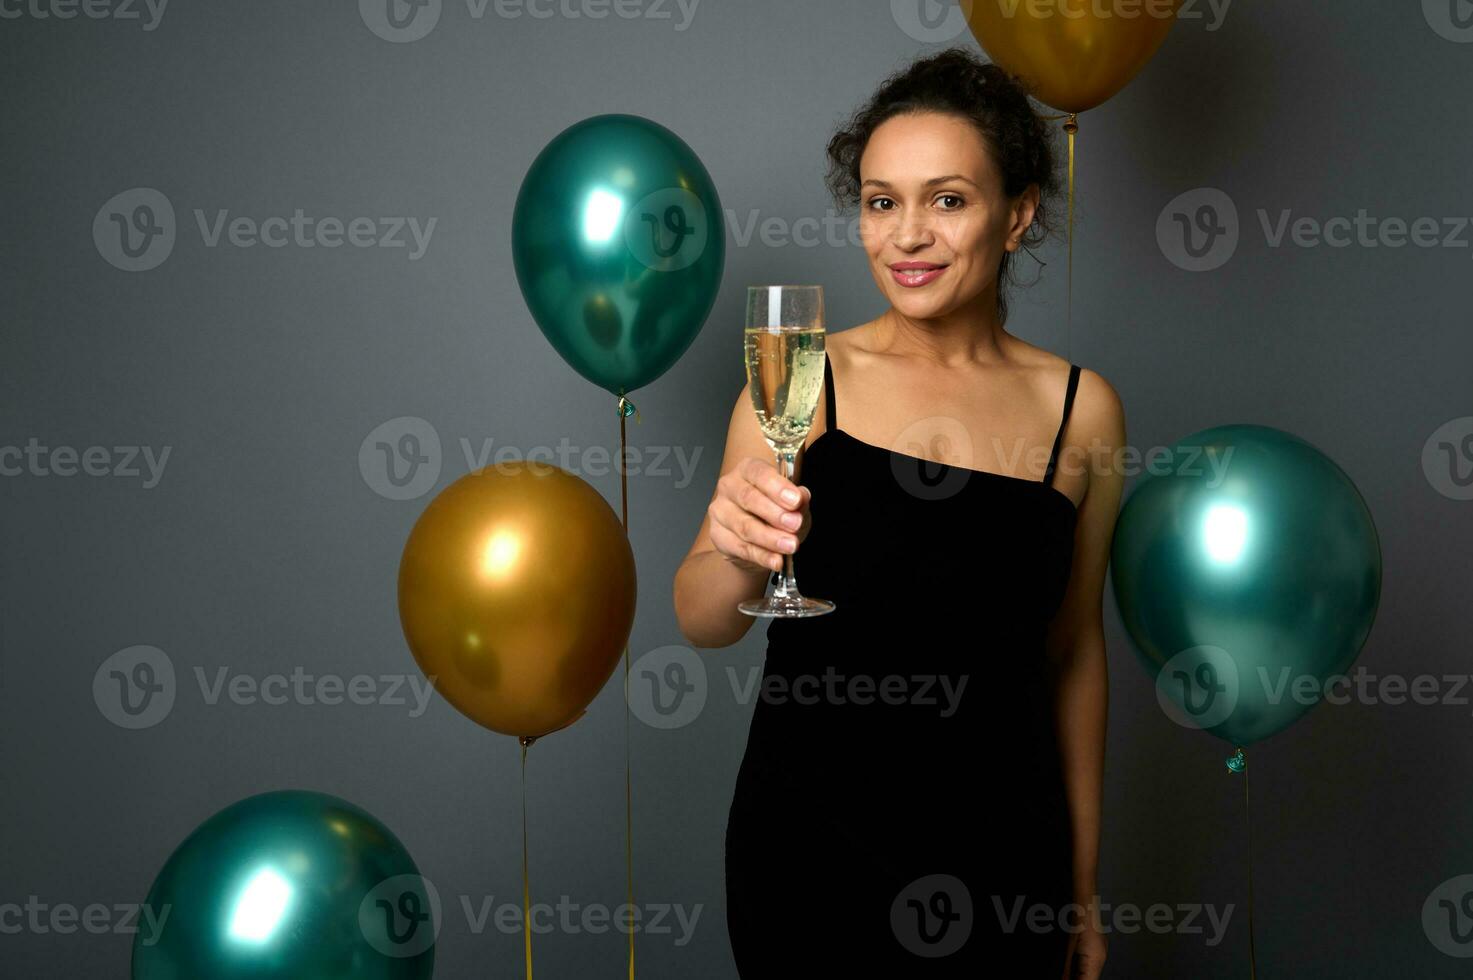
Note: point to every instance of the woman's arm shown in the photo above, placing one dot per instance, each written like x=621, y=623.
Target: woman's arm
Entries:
x=736, y=547
x=1076, y=636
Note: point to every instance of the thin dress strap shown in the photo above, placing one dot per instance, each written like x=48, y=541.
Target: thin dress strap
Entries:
x=1053, y=458
x=831, y=417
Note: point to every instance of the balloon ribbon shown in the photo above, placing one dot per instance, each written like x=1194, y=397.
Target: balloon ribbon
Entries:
x=1071, y=127
x=525, y=741
x=1238, y=763
x=626, y=408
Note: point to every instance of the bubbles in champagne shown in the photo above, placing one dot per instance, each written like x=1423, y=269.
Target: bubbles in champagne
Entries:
x=785, y=374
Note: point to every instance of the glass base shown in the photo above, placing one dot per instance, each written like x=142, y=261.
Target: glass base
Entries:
x=790, y=606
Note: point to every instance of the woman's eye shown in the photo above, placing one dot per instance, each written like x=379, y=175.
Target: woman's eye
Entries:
x=950, y=202
x=880, y=203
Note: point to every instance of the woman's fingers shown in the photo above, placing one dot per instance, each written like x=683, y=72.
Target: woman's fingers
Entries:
x=757, y=488
x=772, y=484
x=749, y=528
x=733, y=547
x=758, y=515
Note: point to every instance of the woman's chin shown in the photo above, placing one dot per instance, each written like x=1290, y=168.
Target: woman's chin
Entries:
x=919, y=304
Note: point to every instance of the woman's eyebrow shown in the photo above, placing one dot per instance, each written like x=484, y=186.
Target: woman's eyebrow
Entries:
x=930, y=183
x=948, y=179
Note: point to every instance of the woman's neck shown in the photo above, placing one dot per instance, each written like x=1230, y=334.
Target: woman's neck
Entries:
x=968, y=334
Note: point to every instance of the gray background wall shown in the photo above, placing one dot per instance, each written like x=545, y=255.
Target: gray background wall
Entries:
x=264, y=548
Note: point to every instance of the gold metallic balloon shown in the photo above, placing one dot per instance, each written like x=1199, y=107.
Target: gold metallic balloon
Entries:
x=516, y=594
x=1072, y=54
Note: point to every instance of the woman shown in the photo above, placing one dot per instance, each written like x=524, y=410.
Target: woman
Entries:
x=921, y=785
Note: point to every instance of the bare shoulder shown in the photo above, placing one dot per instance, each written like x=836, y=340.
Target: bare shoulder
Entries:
x=1097, y=412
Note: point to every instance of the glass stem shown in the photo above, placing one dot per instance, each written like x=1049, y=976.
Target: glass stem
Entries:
x=786, y=586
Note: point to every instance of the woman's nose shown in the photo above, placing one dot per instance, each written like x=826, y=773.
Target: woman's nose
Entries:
x=913, y=230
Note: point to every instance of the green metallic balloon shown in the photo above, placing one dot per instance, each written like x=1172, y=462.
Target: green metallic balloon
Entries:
x=288, y=886
x=1247, y=570
x=619, y=243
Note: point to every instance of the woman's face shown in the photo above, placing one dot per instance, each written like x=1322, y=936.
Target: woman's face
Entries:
x=932, y=214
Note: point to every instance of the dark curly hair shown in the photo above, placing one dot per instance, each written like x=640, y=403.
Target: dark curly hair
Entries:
x=958, y=83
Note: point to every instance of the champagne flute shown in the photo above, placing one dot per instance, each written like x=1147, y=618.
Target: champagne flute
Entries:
x=784, y=355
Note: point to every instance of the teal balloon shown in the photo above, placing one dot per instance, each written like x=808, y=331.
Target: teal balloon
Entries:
x=286, y=886
x=618, y=242
x=1247, y=571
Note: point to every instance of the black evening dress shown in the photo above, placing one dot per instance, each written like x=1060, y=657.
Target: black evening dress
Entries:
x=900, y=808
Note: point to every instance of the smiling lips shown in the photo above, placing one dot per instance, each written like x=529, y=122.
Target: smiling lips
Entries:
x=913, y=274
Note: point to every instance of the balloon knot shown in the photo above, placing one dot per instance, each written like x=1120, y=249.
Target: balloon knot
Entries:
x=526, y=740
x=1237, y=762
x=626, y=407
x=1071, y=127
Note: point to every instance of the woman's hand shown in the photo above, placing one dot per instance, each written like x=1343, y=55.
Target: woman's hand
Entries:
x=1087, y=947
x=754, y=522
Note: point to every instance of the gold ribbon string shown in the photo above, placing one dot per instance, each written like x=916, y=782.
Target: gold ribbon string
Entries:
x=1071, y=126
x=525, y=741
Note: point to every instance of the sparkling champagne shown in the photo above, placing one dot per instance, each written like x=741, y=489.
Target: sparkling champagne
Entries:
x=785, y=375
x=783, y=349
